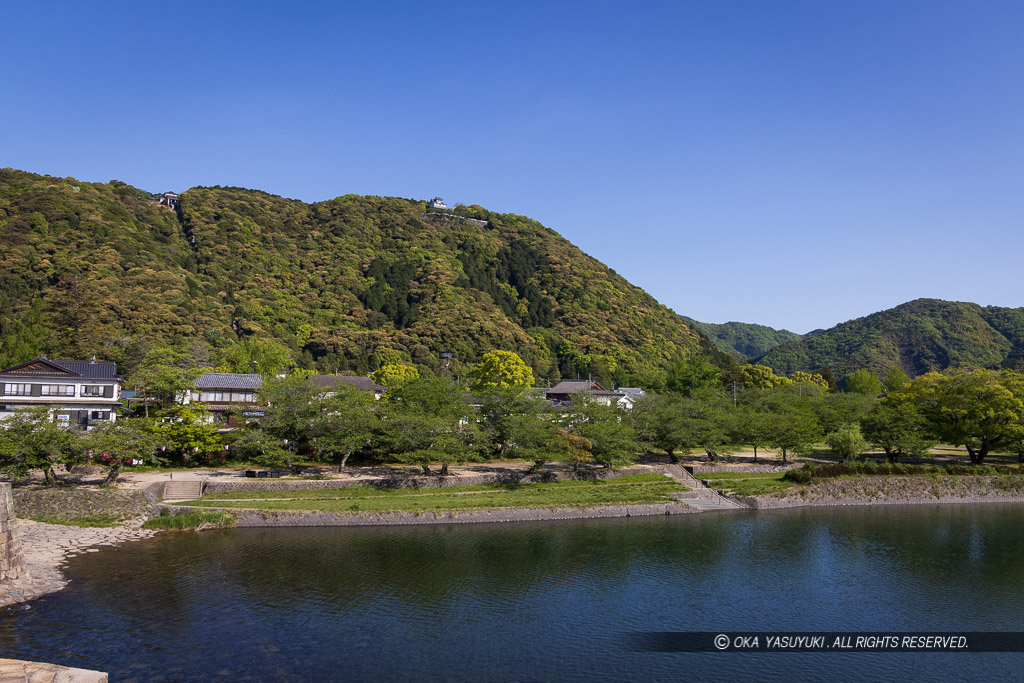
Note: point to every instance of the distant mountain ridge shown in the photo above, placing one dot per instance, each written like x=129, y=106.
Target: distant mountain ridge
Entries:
x=344, y=284
x=743, y=340
x=919, y=336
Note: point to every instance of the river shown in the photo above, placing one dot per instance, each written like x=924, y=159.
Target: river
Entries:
x=539, y=600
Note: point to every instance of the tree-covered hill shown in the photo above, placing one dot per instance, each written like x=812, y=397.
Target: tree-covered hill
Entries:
x=919, y=336
x=743, y=340
x=100, y=268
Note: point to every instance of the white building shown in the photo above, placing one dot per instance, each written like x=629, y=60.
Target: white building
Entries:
x=79, y=392
x=437, y=203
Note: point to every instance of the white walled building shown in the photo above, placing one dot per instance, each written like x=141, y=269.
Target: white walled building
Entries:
x=79, y=392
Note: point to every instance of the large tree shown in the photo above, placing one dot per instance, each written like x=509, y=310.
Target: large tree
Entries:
x=32, y=439
x=499, y=370
x=979, y=409
x=899, y=429
x=112, y=443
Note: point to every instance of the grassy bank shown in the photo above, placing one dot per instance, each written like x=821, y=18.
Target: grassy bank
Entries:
x=632, y=490
x=747, y=483
x=190, y=520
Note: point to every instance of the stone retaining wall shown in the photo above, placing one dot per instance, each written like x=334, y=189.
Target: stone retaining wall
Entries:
x=421, y=482
x=275, y=518
x=12, y=558
x=895, y=491
x=67, y=503
x=746, y=469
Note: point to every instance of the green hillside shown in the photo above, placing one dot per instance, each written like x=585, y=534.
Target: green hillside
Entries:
x=100, y=268
x=919, y=336
x=743, y=340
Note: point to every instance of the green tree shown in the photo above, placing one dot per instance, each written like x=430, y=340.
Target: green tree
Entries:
x=501, y=369
x=899, y=429
x=162, y=375
x=612, y=439
x=251, y=443
x=344, y=424
x=32, y=439
x=791, y=425
x=112, y=443
x=693, y=373
x=189, y=433
x=895, y=380
x=430, y=421
x=263, y=356
x=847, y=442
x=862, y=381
x=394, y=375
x=517, y=424
x=979, y=409
x=761, y=377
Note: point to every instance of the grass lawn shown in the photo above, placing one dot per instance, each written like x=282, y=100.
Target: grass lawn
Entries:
x=631, y=490
x=747, y=483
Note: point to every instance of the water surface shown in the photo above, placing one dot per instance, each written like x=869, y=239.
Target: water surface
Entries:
x=538, y=600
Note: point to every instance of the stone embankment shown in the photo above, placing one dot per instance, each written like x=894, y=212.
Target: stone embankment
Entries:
x=65, y=503
x=895, y=491
x=48, y=546
x=273, y=518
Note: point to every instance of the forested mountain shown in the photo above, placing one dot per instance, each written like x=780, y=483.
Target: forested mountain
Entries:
x=100, y=268
x=919, y=336
x=743, y=340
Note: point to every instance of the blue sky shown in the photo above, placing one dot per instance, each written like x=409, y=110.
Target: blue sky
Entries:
x=789, y=163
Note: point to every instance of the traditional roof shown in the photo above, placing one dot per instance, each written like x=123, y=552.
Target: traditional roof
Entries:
x=44, y=368
x=575, y=386
x=331, y=381
x=634, y=392
x=228, y=380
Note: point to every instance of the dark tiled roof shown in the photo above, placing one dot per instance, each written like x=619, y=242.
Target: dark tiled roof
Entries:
x=43, y=367
x=100, y=369
x=228, y=380
x=330, y=381
x=574, y=387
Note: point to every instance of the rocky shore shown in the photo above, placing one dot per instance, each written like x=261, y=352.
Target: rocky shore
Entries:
x=48, y=546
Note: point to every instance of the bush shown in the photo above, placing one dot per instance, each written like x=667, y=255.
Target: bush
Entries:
x=847, y=442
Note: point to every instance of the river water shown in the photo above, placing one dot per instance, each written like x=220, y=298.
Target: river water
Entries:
x=539, y=600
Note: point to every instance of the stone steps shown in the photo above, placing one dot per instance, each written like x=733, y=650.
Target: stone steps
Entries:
x=699, y=496
x=188, y=489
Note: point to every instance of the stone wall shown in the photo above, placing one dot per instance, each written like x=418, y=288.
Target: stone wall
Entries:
x=420, y=482
x=12, y=559
x=746, y=469
x=65, y=504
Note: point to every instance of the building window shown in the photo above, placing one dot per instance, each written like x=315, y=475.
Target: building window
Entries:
x=92, y=390
x=17, y=389
x=213, y=396
x=242, y=396
x=58, y=390
x=100, y=415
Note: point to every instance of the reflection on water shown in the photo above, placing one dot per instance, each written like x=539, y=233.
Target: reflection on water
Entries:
x=536, y=601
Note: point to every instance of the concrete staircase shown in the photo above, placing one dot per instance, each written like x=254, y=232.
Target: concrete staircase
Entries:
x=183, y=489
x=699, y=496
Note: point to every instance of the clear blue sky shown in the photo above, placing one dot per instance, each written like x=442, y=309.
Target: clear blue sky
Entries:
x=792, y=163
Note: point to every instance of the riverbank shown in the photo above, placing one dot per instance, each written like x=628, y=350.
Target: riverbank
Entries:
x=48, y=546
x=278, y=518
x=893, y=490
